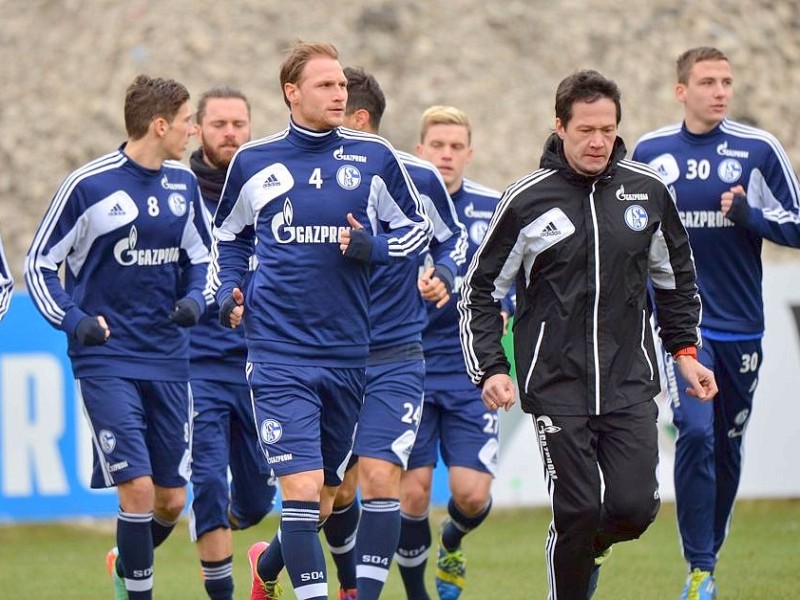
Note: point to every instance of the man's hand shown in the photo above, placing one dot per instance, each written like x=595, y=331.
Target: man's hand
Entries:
x=498, y=392
x=355, y=243
x=92, y=331
x=506, y=318
x=702, y=384
x=231, y=310
x=727, y=199
x=186, y=313
x=432, y=288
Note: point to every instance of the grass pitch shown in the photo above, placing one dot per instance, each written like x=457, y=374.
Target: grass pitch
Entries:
x=505, y=559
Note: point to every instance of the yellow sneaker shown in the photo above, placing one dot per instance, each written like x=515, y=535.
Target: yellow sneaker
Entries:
x=451, y=569
x=700, y=585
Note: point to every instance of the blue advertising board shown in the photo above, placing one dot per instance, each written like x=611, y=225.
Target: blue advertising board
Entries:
x=45, y=448
x=45, y=443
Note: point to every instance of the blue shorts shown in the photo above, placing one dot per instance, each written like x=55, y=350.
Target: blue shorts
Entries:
x=139, y=428
x=306, y=416
x=457, y=423
x=223, y=436
x=389, y=419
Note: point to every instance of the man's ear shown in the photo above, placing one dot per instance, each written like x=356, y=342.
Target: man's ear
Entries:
x=290, y=90
x=680, y=92
x=362, y=118
x=160, y=126
x=560, y=129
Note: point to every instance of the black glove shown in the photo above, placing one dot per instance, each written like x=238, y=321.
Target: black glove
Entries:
x=739, y=210
x=360, y=246
x=225, y=310
x=186, y=313
x=89, y=332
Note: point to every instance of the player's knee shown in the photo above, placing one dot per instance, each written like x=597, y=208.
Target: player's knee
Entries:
x=247, y=515
x=696, y=434
x=170, y=502
x=471, y=500
x=471, y=504
x=380, y=481
x=137, y=495
x=414, y=500
x=632, y=515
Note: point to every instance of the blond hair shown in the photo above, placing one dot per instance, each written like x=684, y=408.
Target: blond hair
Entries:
x=297, y=58
x=444, y=115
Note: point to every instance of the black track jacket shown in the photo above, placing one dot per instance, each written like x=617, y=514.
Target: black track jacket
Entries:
x=581, y=250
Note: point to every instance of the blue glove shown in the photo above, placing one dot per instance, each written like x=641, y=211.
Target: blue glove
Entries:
x=186, y=313
x=446, y=276
x=89, y=332
x=360, y=246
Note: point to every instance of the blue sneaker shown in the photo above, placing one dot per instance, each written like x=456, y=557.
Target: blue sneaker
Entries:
x=700, y=585
x=451, y=569
x=598, y=562
x=120, y=592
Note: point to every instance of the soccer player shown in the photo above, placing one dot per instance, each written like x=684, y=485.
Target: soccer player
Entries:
x=224, y=434
x=392, y=407
x=582, y=235
x=6, y=283
x=734, y=187
x=453, y=417
x=128, y=228
x=320, y=206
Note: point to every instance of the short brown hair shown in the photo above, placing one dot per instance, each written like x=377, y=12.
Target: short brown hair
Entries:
x=695, y=55
x=150, y=97
x=294, y=63
x=222, y=92
x=585, y=86
x=364, y=92
x=444, y=115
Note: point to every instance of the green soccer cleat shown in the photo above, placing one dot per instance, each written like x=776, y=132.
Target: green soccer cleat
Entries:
x=598, y=562
x=451, y=569
x=120, y=592
x=700, y=585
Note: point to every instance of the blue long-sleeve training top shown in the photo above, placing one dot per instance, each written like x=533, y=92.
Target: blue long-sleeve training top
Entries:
x=132, y=242
x=286, y=199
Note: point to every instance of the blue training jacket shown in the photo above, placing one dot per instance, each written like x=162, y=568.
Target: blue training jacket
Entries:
x=286, y=198
x=444, y=361
x=727, y=249
x=397, y=311
x=132, y=241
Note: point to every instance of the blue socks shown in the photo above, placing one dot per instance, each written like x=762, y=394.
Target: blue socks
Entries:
x=218, y=578
x=460, y=524
x=302, y=551
x=412, y=554
x=161, y=530
x=340, y=531
x=376, y=543
x=135, y=543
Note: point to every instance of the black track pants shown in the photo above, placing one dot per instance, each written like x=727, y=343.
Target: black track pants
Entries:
x=575, y=449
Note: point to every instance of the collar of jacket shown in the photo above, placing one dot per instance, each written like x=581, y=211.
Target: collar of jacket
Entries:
x=309, y=139
x=553, y=158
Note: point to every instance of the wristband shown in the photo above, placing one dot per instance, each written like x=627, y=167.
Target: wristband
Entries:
x=688, y=351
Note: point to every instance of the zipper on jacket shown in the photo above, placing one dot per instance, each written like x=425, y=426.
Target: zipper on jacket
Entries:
x=535, y=355
x=596, y=307
x=645, y=329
